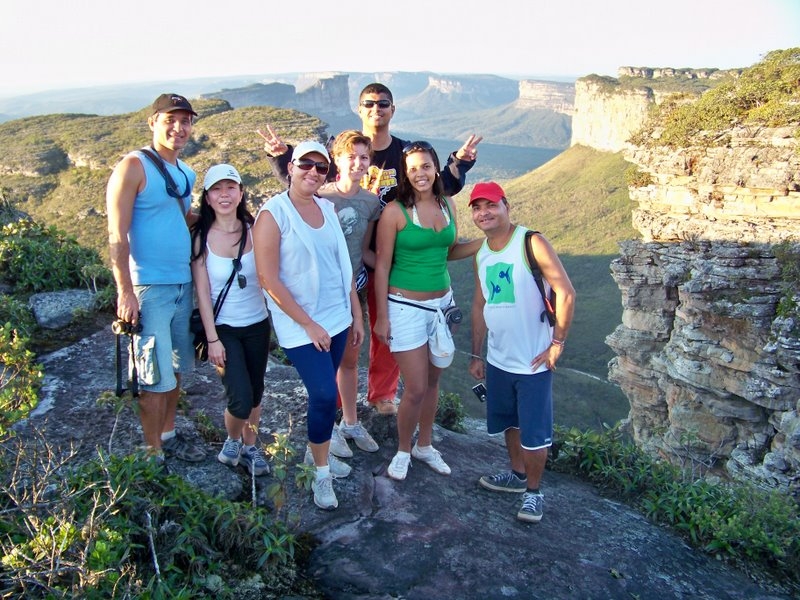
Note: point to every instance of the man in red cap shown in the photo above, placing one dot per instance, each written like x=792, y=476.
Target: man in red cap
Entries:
x=148, y=202
x=523, y=348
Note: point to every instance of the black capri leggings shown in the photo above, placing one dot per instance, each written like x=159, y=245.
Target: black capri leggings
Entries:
x=246, y=354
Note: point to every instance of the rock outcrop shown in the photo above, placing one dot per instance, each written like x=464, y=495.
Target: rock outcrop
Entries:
x=426, y=537
x=547, y=95
x=709, y=345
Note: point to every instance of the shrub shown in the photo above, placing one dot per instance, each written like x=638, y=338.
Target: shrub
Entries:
x=16, y=313
x=122, y=528
x=36, y=258
x=20, y=379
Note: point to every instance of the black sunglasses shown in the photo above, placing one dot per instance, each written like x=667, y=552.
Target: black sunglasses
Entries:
x=416, y=146
x=307, y=165
x=241, y=279
x=380, y=103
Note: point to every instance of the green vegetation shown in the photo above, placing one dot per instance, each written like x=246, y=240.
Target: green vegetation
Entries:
x=20, y=379
x=34, y=258
x=450, y=412
x=756, y=529
x=767, y=94
x=122, y=528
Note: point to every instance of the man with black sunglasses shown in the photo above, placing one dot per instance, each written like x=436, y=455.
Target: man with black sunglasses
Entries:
x=376, y=109
x=148, y=201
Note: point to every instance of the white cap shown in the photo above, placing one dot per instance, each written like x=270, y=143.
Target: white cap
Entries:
x=308, y=147
x=220, y=172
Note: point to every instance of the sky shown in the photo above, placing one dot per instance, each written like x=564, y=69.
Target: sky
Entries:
x=53, y=44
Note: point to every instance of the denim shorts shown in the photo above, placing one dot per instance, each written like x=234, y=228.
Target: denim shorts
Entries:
x=524, y=402
x=411, y=326
x=164, y=346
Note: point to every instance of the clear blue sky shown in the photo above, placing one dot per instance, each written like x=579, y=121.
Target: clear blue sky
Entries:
x=48, y=44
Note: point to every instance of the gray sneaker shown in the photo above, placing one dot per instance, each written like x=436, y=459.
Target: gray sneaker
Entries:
x=254, y=461
x=360, y=435
x=323, y=494
x=504, y=482
x=339, y=469
x=181, y=449
x=531, y=509
x=229, y=455
x=339, y=445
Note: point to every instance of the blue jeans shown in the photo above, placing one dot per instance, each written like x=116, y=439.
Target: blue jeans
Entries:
x=318, y=372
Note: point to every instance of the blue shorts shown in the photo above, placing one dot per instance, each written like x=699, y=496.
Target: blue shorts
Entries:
x=164, y=346
x=524, y=402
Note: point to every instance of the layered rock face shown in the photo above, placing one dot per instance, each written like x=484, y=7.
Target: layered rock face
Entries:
x=547, y=95
x=709, y=345
x=605, y=117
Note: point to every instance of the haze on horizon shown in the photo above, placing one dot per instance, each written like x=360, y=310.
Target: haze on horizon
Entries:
x=50, y=45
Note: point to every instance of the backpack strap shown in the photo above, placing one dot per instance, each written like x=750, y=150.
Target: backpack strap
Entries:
x=549, y=309
x=172, y=188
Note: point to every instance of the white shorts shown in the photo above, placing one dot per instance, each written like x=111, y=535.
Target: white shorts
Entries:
x=411, y=326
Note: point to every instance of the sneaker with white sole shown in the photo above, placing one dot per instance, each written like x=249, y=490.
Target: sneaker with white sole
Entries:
x=254, y=461
x=339, y=469
x=229, y=455
x=504, y=482
x=323, y=494
x=532, y=507
x=182, y=449
x=432, y=458
x=358, y=434
x=398, y=468
x=339, y=446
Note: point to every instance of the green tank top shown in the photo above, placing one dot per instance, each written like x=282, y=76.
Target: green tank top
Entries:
x=419, y=263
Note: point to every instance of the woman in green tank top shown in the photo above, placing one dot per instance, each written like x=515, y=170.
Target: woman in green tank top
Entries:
x=417, y=235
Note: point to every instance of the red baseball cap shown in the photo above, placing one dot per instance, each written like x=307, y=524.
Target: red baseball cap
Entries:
x=487, y=190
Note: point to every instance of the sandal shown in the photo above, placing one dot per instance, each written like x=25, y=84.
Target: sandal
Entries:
x=386, y=407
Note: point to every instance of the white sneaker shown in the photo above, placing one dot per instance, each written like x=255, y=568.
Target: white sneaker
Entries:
x=432, y=458
x=357, y=433
x=339, y=469
x=398, y=468
x=323, y=494
x=339, y=446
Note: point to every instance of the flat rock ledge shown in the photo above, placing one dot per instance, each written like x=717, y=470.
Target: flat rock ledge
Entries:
x=428, y=537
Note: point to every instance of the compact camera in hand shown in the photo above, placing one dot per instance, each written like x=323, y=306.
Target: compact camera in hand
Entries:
x=480, y=391
x=122, y=327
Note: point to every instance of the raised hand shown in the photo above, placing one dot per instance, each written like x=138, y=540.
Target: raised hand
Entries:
x=469, y=151
x=273, y=144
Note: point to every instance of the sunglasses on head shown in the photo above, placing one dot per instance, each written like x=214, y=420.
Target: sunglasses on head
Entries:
x=380, y=103
x=416, y=146
x=307, y=165
x=241, y=279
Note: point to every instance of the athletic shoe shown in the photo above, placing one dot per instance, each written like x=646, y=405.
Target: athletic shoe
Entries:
x=360, y=435
x=532, y=505
x=182, y=450
x=254, y=461
x=229, y=455
x=339, y=469
x=323, y=494
x=339, y=445
x=504, y=482
x=398, y=468
x=432, y=458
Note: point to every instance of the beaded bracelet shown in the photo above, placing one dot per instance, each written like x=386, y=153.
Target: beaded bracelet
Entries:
x=556, y=342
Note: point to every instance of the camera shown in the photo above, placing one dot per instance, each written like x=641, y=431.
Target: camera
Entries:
x=453, y=316
x=121, y=327
x=480, y=391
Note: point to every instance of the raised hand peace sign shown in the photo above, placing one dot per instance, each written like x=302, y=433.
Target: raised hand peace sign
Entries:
x=273, y=145
x=469, y=151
